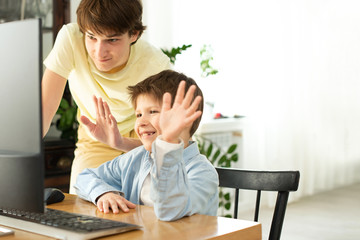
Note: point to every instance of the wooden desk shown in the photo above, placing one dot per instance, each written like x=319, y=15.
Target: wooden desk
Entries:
x=194, y=227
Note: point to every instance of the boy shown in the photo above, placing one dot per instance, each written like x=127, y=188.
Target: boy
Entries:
x=167, y=172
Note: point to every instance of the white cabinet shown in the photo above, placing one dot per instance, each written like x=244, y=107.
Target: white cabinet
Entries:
x=224, y=132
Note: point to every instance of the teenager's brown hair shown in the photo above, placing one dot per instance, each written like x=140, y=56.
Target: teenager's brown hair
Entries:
x=166, y=81
x=109, y=16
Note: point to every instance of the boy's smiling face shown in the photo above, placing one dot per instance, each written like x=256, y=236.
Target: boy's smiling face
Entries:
x=147, y=119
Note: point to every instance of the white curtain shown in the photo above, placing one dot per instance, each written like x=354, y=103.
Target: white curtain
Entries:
x=291, y=67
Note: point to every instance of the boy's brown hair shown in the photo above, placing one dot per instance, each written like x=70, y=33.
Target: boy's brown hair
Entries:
x=166, y=81
x=109, y=16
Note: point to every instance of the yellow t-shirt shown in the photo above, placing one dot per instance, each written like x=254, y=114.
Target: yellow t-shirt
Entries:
x=69, y=59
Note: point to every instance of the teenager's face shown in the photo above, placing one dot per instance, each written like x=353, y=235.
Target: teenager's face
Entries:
x=147, y=119
x=109, y=52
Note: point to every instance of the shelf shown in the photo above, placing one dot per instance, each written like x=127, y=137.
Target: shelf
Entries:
x=221, y=125
x=58, y=157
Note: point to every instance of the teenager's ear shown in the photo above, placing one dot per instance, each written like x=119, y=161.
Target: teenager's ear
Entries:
x=134, y=36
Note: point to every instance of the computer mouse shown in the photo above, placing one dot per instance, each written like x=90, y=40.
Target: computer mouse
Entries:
x=53, y=195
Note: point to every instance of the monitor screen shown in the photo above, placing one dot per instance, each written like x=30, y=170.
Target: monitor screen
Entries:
x=21, y=144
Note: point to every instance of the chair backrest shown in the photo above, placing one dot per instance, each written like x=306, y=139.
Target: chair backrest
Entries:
x=279, y=181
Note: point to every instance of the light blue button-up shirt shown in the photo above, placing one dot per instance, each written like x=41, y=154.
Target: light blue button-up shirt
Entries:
x=184, y=183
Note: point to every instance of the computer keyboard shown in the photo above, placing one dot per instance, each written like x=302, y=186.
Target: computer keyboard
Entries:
x=63, y=225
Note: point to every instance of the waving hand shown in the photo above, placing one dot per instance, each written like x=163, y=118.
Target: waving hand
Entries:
x=175, y=119
x=105, y=129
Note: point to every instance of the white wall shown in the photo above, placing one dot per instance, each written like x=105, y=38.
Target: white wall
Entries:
x=292, y=67
x=73, y=6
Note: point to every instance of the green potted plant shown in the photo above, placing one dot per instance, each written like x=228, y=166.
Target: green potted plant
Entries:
x=221, y=158
x=173, y=52
x=67, y=123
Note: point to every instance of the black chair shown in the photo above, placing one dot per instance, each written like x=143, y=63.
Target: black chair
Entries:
x=279, y=181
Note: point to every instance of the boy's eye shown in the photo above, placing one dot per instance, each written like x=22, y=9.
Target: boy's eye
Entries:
x=138, y=115
x=113, y=40
x=153, y=111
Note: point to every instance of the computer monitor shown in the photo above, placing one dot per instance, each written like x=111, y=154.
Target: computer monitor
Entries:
x=21, y=144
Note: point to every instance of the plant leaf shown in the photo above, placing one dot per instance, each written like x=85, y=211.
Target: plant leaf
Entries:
x=202, y=149
x=234, y=157
x=209, y=150
x=222, y=159
x=64, y=104
x=232, y=148
x=215, y=156
x=227, y=206
x=228, y=163
x=174, y=52
x=227, y=196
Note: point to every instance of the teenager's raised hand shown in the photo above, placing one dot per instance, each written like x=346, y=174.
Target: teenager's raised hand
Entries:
x=105, y=129
x=179, y=117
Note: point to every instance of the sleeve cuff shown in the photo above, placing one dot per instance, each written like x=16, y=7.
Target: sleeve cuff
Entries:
x=162, y=147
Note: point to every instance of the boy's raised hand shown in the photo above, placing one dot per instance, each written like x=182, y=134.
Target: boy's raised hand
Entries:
x=175, y=119
x=105, y=129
